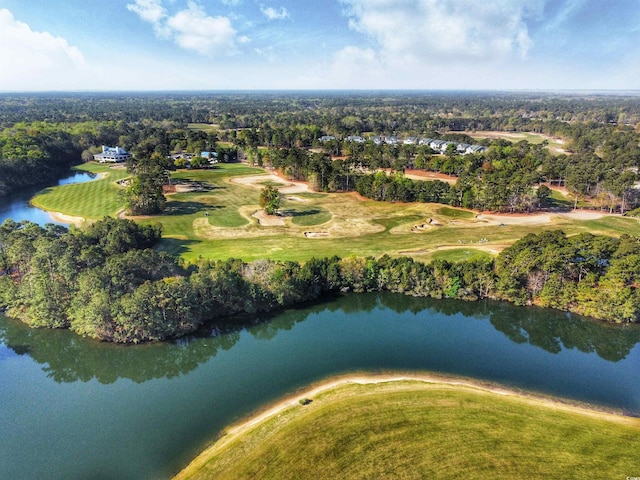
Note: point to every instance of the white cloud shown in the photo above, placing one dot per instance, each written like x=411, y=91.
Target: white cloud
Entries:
x=150, y=11
x=190, y=28
x=445, y=30
x=274, y=14
x=36, y=60
x=232, y=3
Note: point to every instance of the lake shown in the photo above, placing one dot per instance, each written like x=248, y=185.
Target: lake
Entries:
x=76, y=408
x=16, y=206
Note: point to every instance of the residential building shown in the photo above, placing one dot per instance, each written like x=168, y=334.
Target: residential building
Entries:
x=112, y=155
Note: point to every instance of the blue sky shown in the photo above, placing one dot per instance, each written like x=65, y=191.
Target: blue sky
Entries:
x=98, y=45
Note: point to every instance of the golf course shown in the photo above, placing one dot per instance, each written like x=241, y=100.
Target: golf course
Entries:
x=419, y=426
x=216, y=214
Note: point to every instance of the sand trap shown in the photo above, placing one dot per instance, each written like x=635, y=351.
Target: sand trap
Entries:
x=268, y=220
x=585, y=215
x=496, y=219
x=296, y=199
x=70, y=219
x=284, y=186
x=316, y=234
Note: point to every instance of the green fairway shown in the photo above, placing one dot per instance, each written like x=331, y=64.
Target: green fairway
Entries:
x=90, y=200
x=216, y=214
x=459, y=255
x=411, y=429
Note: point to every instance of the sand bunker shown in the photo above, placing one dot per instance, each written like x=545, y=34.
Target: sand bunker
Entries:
x=284, y=186
x=584, y=215
x=316, y=234
x=69, y=219
x=496, y=219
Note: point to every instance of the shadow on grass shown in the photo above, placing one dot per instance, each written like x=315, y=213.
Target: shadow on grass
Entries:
x=299, y=213
x=176, y=247
x=193, y=186
x=186, y=208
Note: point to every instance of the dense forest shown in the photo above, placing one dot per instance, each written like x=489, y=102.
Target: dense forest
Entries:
x=107, y=283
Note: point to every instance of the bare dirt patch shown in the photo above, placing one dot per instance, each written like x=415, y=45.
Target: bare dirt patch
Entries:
x=426, y=176
x=268, y=220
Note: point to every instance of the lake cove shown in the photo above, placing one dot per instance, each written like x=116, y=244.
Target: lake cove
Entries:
x=17, y=207
x=96, y=410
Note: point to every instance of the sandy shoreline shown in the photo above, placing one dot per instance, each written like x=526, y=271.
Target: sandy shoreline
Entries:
x=429, y=380
x=62, y=218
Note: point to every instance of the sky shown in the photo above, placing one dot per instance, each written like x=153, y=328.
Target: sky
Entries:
x=150, y=45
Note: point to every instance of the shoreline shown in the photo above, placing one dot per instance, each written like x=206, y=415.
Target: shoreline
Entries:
x=427, y=379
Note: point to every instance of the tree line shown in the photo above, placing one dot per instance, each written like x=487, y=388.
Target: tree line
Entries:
x=106, y=282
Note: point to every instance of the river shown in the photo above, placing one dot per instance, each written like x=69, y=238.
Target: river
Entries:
x=76, y=408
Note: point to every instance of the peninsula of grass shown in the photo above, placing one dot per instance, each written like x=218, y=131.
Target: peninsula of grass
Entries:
x=91, y=200
x=405, y=429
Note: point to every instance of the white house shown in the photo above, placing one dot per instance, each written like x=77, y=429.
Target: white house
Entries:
x=436, y=145
x=112, y=155
x=476, y=149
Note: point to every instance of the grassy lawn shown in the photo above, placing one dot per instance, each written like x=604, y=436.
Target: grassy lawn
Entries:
x=411, y=429
x=458, y=255
x=90, y=200
x=455, y=213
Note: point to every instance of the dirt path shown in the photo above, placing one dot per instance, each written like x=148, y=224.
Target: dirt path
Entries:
x=424, y=175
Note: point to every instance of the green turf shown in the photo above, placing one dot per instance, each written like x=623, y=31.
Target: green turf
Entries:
x=90, y=200
x=214, y=220
x=455, y=213
x=307, y=216
x=410, y=430
x=459, y=255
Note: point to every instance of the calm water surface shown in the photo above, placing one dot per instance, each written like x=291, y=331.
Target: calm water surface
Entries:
x=74, y=408
x=16, y=206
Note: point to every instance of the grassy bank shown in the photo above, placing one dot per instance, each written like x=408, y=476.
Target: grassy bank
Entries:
x=417, y=429
x=91, y=200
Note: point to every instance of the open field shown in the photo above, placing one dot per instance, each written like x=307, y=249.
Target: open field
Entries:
x=419, y=426
x=216, y=214
x=556, y=145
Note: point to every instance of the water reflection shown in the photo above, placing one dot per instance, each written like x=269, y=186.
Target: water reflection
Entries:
x=68, y=358
x=16, y=206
